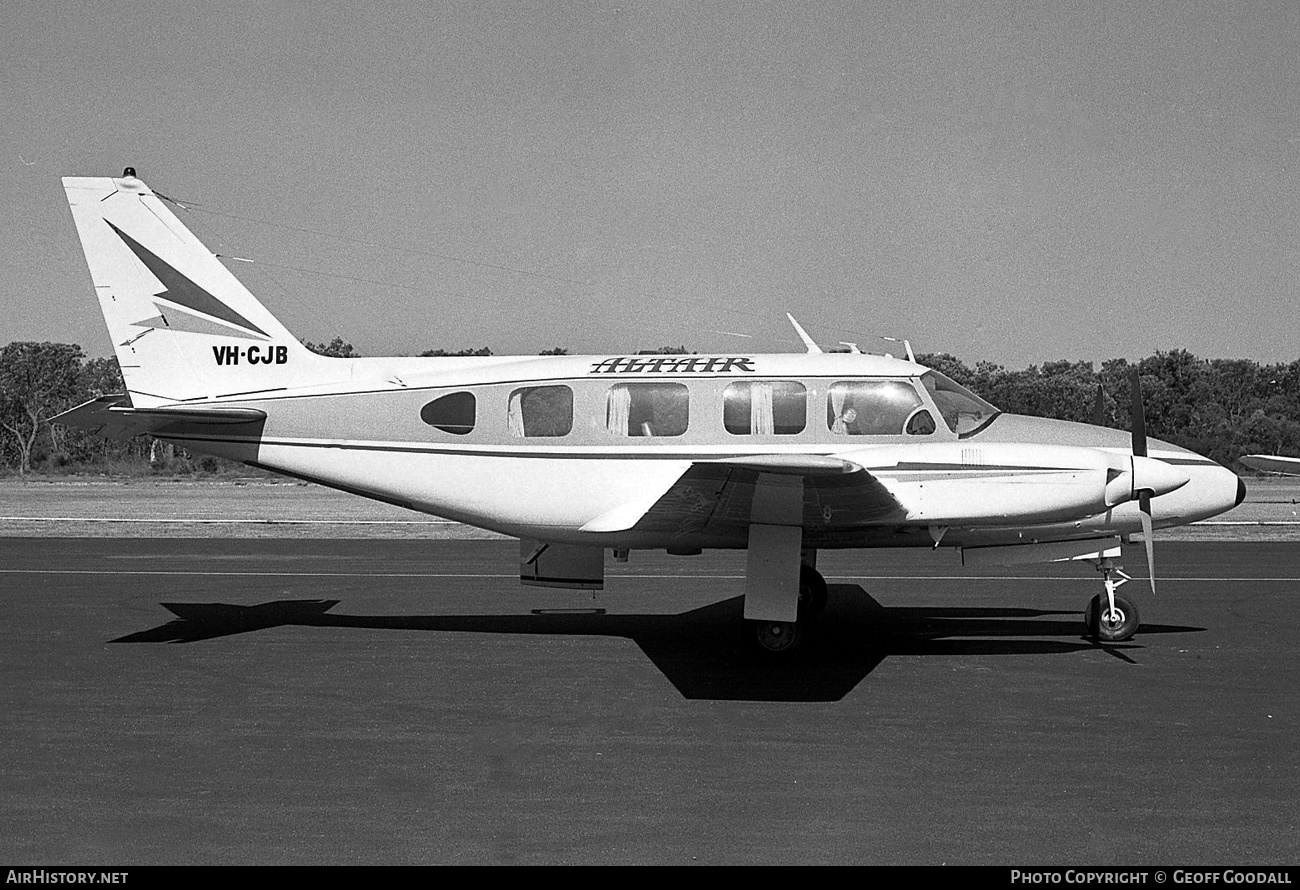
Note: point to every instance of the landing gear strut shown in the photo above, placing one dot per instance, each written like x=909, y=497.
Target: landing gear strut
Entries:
x=1110, y=618
x=812, y=593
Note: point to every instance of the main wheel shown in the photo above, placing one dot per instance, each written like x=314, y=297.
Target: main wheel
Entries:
x=776, y=637
x=1107, y=627
x=812, y=593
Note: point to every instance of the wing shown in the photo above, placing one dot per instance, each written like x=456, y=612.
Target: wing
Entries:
x=1267, y=463
x=718, y=500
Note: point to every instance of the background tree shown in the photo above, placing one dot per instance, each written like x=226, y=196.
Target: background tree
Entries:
x=482, y=350
x=99, y=377
x=948, y=365
x=1221, y=408
x=37, y=381
x=335, y=348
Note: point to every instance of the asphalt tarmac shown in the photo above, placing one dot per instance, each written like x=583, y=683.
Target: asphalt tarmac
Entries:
x=256, y=701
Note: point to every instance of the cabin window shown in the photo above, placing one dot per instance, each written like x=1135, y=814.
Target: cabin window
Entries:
x=964, y=412
x=870, y=407
x=647, y=409
x=541, y=411
x=453, y=413
x=765, y=408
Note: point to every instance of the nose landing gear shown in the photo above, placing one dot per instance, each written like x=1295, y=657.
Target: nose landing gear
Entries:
x=1111, y=618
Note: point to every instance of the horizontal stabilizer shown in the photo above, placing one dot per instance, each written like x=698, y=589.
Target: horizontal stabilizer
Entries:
x=113, y=417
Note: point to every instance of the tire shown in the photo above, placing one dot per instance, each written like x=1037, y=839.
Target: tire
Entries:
x=1103, y=630
x=776, y=639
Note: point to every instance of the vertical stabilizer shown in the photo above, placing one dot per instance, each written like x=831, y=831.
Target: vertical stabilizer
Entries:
x=184, y=328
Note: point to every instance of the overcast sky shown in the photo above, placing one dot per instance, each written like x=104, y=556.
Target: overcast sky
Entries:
x=1012, y=182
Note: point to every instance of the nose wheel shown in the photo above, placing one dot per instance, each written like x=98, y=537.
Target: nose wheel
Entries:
x=1111, y=625
x=1111, y=618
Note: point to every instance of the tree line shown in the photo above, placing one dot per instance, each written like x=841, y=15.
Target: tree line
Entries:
x=1221, y=408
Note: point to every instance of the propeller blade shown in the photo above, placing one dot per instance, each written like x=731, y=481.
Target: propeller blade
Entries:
x=1139, y=416
x=1148, y=537
x=1140, y=450
x=1099, y=407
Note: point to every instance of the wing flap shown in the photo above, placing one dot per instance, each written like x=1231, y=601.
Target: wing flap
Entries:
x=790, y=464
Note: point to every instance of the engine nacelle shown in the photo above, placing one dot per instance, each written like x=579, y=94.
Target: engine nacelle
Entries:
x=1143, y=474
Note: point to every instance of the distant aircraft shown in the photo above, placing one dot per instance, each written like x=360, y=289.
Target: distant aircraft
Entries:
x=1272, y=463
x=782, y=455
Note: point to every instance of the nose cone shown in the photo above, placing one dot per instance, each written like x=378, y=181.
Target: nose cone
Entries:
x=1212, y=490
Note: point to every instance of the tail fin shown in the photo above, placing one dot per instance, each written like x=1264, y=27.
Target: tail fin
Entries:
x=183, y=326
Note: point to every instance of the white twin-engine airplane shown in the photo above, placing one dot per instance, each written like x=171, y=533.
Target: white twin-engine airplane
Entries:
x=782, y=455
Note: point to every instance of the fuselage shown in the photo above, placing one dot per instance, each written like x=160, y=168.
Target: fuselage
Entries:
x=544, y=447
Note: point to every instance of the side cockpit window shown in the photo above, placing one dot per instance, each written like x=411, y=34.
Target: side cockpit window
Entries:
x=452, y=413
x=541, y=411
x=647, y=409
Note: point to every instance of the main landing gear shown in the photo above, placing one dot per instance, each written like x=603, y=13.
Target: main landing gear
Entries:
x=1110, y=618
x=784, y=637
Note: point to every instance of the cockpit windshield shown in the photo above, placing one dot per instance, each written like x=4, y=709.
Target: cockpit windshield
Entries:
x=963, y=411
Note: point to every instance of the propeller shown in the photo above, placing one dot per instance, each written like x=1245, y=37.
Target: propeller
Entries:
x=1140, y=450
x=1099, y=407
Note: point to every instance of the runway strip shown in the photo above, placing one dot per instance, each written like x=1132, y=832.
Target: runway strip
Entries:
x=364, y=701
x=649, y=577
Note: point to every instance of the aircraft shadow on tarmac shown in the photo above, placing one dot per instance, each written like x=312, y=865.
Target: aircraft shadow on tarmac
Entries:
x=704, y=653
